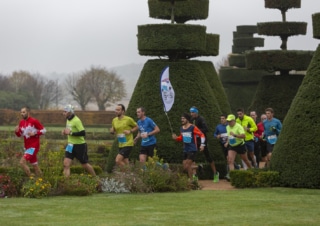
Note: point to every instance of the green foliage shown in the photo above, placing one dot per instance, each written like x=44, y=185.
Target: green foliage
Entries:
x=189, y=90
x=278, y=60
x=183, y=10
x=316, y=25
x=14, y=100
x=254, y=178
x=296, y=154
x=154, y=176
x=112, y=156
x=78, y=185
x=282, y=28
x=276, y=92
x=36, y=188
x=80, y=170
x=240, y=85
x=282, y=4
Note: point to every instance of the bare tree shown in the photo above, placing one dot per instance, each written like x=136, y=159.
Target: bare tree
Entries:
x=4, y=83
x=105, y=87
x=50, y=94
x=77, y=87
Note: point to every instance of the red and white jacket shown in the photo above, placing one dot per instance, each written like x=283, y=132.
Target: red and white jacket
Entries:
x=31, y=125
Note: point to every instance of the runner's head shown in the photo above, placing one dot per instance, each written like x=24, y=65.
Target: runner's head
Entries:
x=231, y=119
x=185, y=118
x=194, y=112
x=68, y=110
x=120, y=110
x=141, y=111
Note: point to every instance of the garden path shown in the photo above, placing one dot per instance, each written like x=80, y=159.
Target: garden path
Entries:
x=221, y=185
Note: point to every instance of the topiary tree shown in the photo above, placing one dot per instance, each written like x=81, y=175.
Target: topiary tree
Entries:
x=281, y=61
x=296, y=155
x=194, y=82
x=239, y=83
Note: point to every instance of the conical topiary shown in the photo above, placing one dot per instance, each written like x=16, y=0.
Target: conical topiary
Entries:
x=195, y=82
x=296, y=155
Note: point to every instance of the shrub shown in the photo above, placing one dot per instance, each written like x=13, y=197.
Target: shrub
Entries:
x=78, y=185
x=113, y=186
x=7, y=187
x=254, y=178
x=36, y=188
x=154, y=176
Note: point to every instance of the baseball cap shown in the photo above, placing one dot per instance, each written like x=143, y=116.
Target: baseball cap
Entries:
x=231, y=117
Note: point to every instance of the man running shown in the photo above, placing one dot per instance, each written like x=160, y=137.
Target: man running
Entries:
x=124, y=127
x=200, y=122
x=31, y=130
x=147, y=131
x=188, y=134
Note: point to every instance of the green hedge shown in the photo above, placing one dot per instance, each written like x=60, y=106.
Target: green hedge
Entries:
x=240, y=85
x=316, y=25
x=191, y=85
x=296, y=155
x=254, y=178
x=183, y=10
x=282, y=28
x=282, y=4
x=278, y=60
x=276, y=92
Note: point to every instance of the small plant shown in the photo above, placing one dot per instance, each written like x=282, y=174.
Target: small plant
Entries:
x=113, y=186
x=7, y=187
x=153, y=176
x=36, y=188
x=79, y=185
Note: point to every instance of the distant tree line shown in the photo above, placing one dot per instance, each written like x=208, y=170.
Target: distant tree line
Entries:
x=96, y=85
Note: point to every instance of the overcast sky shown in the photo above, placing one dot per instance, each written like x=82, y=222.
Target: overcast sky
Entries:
x=66, y=36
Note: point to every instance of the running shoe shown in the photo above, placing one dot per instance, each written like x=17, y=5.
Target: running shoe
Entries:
x=216, y=177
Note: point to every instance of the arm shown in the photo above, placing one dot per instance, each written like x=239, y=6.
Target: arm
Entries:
x=154, y=131
x=197, y=131
x=40, y=128
x=177, y=138
x=253, y=126
x=17, y=131
x=81, y=133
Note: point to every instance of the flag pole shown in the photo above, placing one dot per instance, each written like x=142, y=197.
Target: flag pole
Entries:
x=168, y=120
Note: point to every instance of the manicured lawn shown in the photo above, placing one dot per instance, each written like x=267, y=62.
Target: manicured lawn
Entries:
x=270, y=206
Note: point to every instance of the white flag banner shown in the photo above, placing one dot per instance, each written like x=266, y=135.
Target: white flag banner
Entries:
x=167, y=91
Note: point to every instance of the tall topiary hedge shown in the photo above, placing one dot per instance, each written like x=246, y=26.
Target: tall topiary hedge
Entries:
x=279, y=62
x=195, y=82
x=296, y=155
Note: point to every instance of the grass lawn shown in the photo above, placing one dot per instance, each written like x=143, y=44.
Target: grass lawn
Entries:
x=268, y=206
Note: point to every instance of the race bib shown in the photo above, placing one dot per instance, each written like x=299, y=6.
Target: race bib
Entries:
x=272, y=139
x=223, y=137
x=145, y=139
x=186, y=137
x=69, y=148
x=122, y=138
x=30, y=151
x=232, y=140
